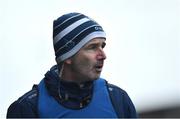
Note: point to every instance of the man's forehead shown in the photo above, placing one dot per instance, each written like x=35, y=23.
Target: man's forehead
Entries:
x=96, y=40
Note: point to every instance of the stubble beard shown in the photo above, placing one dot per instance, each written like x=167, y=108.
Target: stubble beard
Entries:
x=84, y=72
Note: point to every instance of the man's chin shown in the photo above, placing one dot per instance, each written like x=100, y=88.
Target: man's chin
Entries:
x=95, y=78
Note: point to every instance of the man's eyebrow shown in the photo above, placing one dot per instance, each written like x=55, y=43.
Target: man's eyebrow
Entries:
x=97, y=43
x=93, y=43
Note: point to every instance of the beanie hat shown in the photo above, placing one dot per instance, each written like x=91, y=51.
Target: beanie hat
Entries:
x=71, y=32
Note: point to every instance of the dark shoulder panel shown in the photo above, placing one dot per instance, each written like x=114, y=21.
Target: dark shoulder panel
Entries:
x=25, y=106
x=121, y=102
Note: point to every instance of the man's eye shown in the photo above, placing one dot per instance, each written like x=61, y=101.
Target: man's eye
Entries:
x=92, y=47
x=103, y=45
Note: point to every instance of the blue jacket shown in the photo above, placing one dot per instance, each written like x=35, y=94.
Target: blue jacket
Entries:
x=27, y=105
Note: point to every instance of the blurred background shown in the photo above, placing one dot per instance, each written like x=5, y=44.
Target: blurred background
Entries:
x=143, y=48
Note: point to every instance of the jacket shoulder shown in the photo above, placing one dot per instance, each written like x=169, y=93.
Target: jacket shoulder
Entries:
x=29, y=96
x=116, y=90
x=121, y=101
x=114, y=87
x=117, y=93
x=25, y=106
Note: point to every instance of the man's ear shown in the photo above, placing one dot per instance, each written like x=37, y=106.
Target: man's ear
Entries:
x=68, y=61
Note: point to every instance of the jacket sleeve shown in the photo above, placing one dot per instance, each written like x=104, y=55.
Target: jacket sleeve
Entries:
x=24, y=107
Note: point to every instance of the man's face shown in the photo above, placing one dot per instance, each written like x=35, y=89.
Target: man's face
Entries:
x=87, y=64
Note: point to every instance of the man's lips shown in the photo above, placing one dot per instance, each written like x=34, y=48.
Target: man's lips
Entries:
x=99, y=67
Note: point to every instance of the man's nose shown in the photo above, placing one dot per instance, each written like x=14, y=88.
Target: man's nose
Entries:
x=101, y=54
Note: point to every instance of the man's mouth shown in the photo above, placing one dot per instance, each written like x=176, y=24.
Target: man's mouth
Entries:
x=99, y=67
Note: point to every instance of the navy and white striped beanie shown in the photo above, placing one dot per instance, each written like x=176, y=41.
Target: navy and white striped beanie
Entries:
x=71, y=32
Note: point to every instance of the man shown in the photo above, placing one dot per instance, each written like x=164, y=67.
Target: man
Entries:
x=73, y=87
